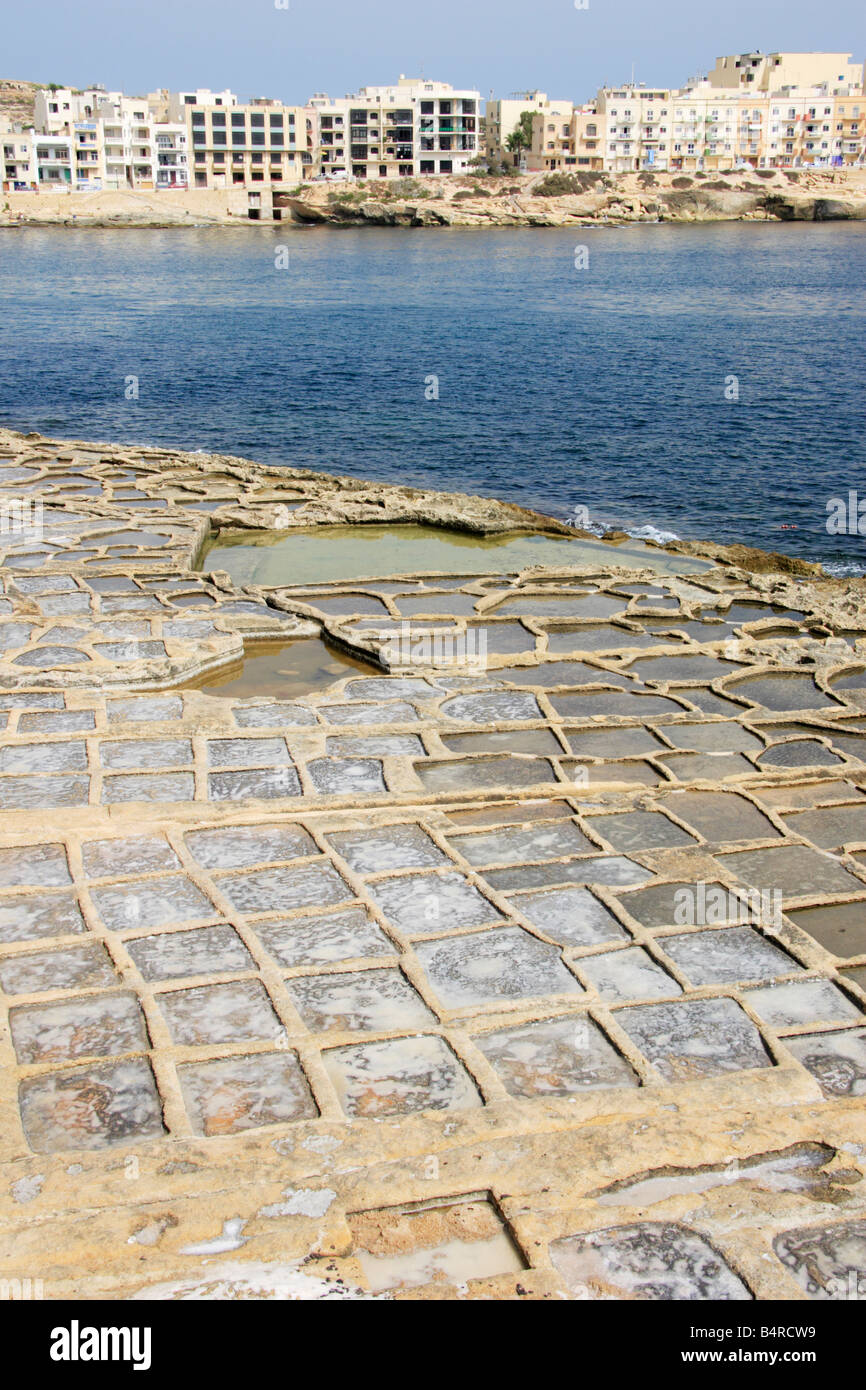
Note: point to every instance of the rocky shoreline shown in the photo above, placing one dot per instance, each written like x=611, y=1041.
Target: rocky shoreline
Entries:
x=530, y=200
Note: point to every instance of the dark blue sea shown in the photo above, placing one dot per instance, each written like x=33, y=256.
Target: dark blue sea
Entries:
x=609, y=388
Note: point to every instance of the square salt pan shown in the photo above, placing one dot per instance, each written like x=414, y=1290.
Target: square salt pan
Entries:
x=365, y=1000
x=240, y=1093
x=154, y=903
x=427, y=904
x=691, y=1039
x=522, y=844
x=398, y=1077
x=325, y=939
x=570, y=916
x=392, y=847
x=242, y=846
x=209, y=1014
x=273, y=890
x=556, y=1057
x=91, y=1107
x=100, y=1025
x=801, y=1003
x=488, y=967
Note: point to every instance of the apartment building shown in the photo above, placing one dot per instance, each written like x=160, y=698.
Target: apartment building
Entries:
x=172, y=106
x=716, y=128
x=552, y=138
x=566, y=137
x=19, y=157
x=502, y=116
x=637, y=124
x=113, y=138
x=414, y=127
x=233, y=144
x=770, y=72
x=171, y=139
x=56, y=109
x=53, y=156
x=849, y=134
x=814, y=128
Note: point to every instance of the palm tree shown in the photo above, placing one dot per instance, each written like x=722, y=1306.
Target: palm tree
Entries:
x=520, y=138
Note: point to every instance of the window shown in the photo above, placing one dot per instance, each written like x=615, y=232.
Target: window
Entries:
x=238, y=119
x=276, y=122
x=218, y=120
x=257, y=120
x=198, y=118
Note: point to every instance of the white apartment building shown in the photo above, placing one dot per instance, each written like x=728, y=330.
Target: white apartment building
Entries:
x=174, y=106
x=414, y=127
x=57, y=109
x=172, y=154
x=54, y=161
x=638, y=127
x=130, y=144
x=19, y=157
x=112, y=135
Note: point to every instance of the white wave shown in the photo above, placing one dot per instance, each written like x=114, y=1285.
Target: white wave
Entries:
x=843, y=569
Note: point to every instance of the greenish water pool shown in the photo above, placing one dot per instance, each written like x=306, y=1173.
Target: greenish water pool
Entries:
x=322, y=554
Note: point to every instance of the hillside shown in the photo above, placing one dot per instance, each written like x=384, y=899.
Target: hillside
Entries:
x=17, y=99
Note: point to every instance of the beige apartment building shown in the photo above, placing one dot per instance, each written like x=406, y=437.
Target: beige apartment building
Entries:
x=552, y=138
x=717, y=129
x=412, y=128
x=502, y=116
x=566, y=138
x=243, y=145
x=770, y=72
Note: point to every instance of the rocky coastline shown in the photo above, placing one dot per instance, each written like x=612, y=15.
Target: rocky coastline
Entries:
x=519, y=200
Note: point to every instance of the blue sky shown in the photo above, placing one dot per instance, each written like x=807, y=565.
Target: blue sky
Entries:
x=337, y=45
